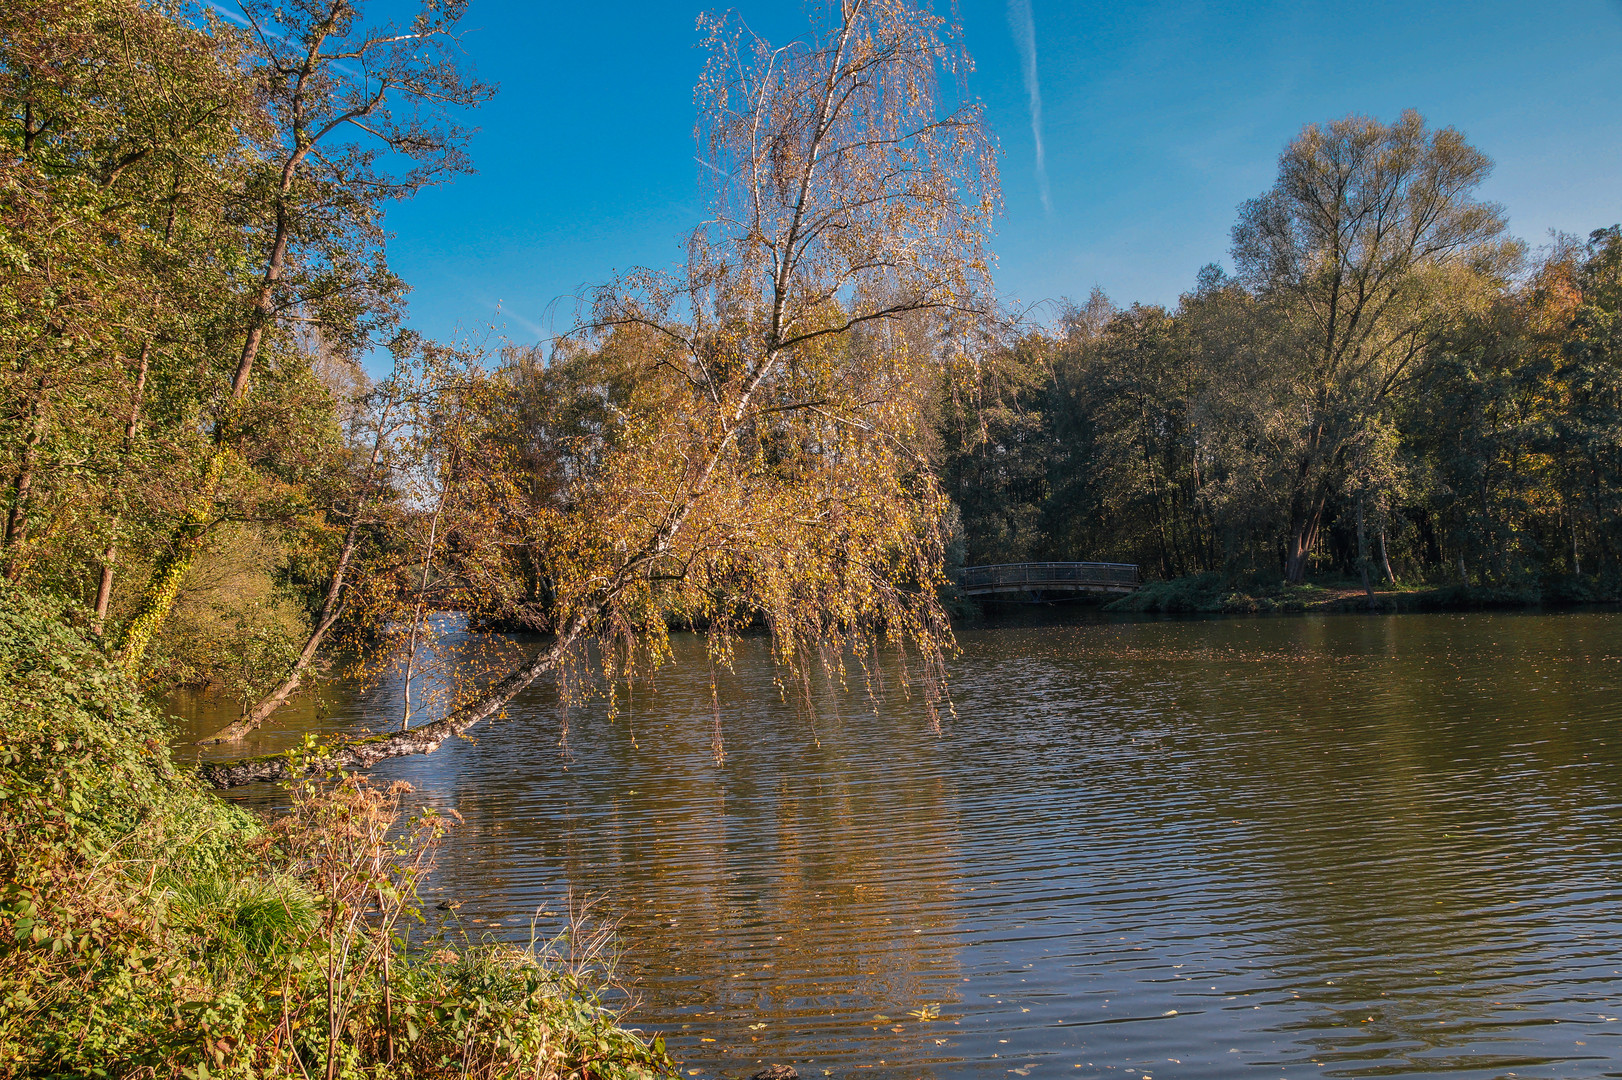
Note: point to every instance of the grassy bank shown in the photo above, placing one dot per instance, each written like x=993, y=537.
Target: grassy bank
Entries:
x=149, y=929
x=1216, y=594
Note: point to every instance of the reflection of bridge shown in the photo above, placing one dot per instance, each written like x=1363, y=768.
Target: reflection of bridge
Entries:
x=1037, y=579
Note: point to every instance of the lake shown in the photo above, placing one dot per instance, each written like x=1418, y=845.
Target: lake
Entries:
x=1312, y=846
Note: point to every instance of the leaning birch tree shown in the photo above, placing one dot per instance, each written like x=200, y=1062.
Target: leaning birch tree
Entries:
x=756, y=456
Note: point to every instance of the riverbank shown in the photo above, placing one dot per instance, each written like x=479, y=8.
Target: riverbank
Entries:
x=1214, y=593
x=149, y=928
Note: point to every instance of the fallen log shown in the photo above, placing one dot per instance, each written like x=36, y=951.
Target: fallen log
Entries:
x=365, y=752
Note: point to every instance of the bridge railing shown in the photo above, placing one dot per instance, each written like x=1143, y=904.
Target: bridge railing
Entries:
x=1042, y=574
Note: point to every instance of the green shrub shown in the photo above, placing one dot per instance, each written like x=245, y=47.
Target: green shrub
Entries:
x=1200, y=593
x=149, y=929
x=1460, y=597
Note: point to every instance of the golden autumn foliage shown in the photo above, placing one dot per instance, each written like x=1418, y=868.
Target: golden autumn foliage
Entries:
x=741, y=440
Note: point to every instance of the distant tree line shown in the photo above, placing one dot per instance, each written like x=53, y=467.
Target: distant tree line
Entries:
x=1387, y=387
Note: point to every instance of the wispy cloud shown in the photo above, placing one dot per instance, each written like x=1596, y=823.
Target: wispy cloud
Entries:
x=507, y=315
x=1024, y=28
x=235, y=16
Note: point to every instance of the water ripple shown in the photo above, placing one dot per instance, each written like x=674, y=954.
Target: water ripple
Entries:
x=1338, y=846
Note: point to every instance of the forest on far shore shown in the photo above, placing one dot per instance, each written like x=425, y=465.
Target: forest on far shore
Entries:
x=1461, y=425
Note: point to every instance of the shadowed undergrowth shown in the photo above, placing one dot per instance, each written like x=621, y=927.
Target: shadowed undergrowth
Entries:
x=1214, y=593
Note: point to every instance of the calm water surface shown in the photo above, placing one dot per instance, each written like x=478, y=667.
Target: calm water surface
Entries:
x=1330, y=846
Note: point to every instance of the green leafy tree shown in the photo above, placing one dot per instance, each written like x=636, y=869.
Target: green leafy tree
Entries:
x=1589, y=435
x=347, y=103
x=126, y=134
x=996, y=448
x=1363, y=249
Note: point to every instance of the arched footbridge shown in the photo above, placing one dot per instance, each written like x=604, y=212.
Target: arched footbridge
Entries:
x=1037, y=581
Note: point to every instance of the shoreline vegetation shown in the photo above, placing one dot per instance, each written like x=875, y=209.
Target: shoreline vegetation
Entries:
x=148, y=928
x=1213, y=593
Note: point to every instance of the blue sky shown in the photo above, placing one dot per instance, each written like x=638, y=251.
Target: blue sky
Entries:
x=1158, y=119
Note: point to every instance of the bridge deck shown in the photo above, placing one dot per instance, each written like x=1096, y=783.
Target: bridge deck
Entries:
x=1046, y=577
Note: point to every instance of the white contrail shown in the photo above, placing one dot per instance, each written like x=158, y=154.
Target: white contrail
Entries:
x=235, y=16
x=1024, y=28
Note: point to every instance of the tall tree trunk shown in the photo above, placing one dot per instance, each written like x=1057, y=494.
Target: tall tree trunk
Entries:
x=1305, y=514
x=1166, y=563
x=1385, y=559
x=1595, y=486
x=186, y=542
x=1363, y=554
x=109, y=554
x=1303, y=535
x=104, y=586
